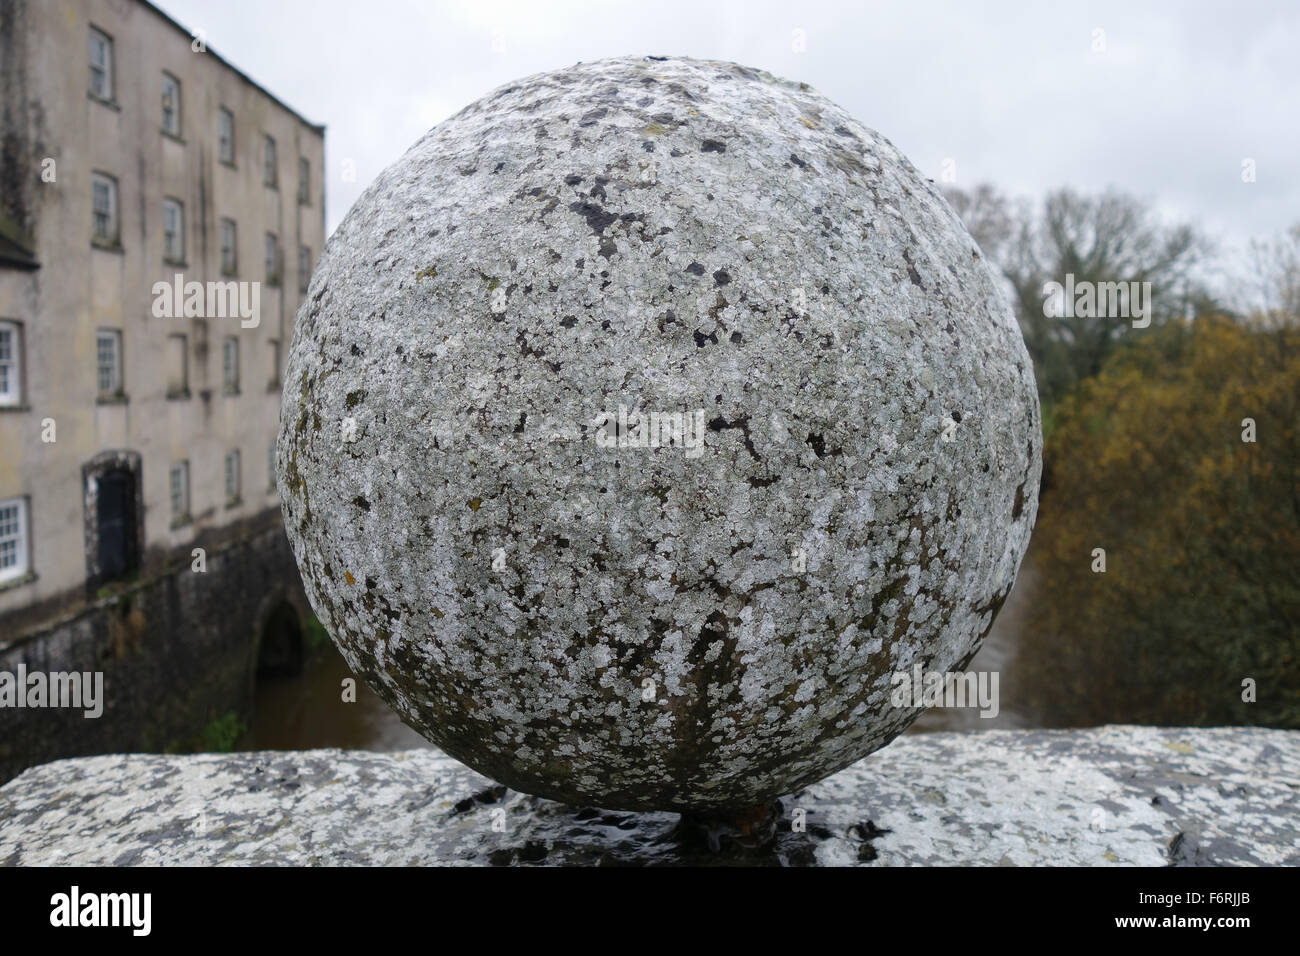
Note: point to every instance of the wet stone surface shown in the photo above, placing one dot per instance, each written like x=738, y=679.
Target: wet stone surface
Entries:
x=844, y=488
x=1114, y=795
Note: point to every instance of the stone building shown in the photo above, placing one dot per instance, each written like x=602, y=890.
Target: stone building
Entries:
x=135, y=424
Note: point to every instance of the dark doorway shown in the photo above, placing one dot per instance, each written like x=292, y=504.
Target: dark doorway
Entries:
x=280, y=653
x=116, y=523
x=114, y=517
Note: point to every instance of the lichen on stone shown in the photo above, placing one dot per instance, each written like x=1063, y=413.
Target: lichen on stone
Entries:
x=688, y=626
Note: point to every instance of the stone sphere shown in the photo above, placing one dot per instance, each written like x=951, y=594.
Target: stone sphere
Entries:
x=642, y=422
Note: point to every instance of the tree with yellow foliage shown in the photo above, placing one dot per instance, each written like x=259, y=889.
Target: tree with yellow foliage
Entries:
x=1177, y=469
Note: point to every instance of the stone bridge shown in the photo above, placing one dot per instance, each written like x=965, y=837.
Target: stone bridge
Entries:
x=1116, y=795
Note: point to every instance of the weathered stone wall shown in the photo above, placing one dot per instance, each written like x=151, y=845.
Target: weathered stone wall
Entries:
x=1109, y=796
x=177, y=650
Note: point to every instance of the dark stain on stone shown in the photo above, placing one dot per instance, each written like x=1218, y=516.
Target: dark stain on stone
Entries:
x=695, y=269
x=818, y=444
x=598, y=219
x=866, y=832
x=713, y=146
x=720, y=423
x=911, y=269
x=721, y=277
x=534, y=851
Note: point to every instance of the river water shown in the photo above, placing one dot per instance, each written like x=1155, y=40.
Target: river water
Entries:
x=307, y=711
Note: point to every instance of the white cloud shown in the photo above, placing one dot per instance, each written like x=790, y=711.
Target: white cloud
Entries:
x=1012, y=92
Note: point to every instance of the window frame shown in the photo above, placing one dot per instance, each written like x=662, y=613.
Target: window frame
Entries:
x=234, y=246
x=274, y=383
x=180, y=231
x=109, y=66
x=229, y=368
x=117, y=389
x=304, y=181
x=304, y=267
x=12, y=396
x=22, y=567
x=182, y=467
x=184, y=342
x=226, y=156
x=271, y=258
x=270, y=162
x=176, y=111
x=113, y=241
x=233, y=477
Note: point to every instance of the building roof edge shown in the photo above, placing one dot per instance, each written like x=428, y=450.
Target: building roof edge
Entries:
x=189, y=35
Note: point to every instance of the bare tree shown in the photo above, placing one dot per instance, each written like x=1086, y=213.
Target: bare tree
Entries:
x=1110, y=238
x=1272, y=295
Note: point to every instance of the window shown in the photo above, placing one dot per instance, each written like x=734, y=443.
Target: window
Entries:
x=101, y=65
x=230, y=364
x=173, y=231
x=13, y=539
x=103, y=195
x=274, y=382
x=232, y=477
x=304, y=181
x=229, y=261
x=171, y=105
x=178, y=366
x=11, y=382
x=268, y=163
x=180, y=490
x=270, y=467
x=304, y=268
x=272, y=259
x=108, y=363
x=226, y=136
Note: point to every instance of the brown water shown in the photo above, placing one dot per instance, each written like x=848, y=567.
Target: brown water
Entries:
x=306, y=712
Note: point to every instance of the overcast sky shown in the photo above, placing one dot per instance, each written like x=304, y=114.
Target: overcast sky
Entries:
x=1013, y=93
